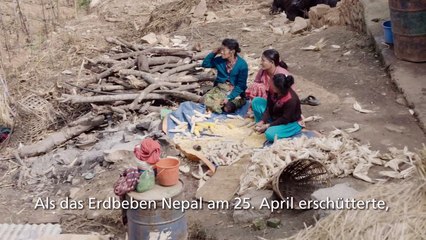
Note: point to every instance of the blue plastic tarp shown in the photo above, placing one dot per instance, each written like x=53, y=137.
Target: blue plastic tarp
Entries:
x=186, y=111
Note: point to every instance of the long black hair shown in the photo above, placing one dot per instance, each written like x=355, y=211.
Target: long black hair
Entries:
x=274, y=56
x=283, y=82
x=232, y=44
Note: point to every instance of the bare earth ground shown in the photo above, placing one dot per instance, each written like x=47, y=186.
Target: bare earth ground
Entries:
x=336, y=79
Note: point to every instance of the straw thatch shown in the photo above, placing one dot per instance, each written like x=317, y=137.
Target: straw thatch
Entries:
x=406, y=218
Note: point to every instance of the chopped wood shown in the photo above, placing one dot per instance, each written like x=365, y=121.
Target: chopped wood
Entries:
x=193, y=78
x=187, y=87
x=108, y=98
x=123, y=83
x=158, y=51
x=182, y=95
x=180, y=69
x=58, y=138
x=146, y=76
x=143, y=63
x=163, y=60
x=164, y=66
x=149, y=89
x=116, y=68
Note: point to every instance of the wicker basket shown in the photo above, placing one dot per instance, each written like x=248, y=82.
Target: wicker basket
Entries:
x=300, y=179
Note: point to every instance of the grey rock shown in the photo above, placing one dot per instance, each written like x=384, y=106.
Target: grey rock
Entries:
x=299, y=25
x=400, y=99
x=75, y=181
x=259, y=224
x=273, y=222
x=88, y=175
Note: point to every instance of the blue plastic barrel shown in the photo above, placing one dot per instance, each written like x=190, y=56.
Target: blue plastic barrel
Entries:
x=160, y=222
x=387, y=29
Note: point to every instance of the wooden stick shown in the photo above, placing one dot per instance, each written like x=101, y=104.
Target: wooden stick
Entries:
x=182, y=95
x=102, y=60
x=187, y=87
x=193, y=78
x=143, y=63
x=116, y=68
x=108, y=98
x=146, y=76
x=120, y=82
x=157, y=51
x=180, y=69
x=167, y=65
x=58, y=138
x=163, y=60
x=150, y=88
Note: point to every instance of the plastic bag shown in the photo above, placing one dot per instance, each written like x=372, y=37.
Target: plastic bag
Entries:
x=146, y=181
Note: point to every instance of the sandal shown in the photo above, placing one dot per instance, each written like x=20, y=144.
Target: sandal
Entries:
x=310, y=100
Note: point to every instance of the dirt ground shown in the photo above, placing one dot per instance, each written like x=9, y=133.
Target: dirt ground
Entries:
x=338, y=77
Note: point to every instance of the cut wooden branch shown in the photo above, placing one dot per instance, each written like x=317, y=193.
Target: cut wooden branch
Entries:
x=146, y=76
x=167, y=65
x=170, y=52
x=108, y=98
x=83, y=120
x=112, y=87
x=106, y=87
x=150, y=109
x=121, y=82
x=116, y=68
x=180, y=69
x=193, y=78
x=135, y=82
x=127, y=55
x=156, y=51
x=182, y=95
x=147, y=90
x=143, y=63
x=163, y=60
x=58, y=138
x=186, y=87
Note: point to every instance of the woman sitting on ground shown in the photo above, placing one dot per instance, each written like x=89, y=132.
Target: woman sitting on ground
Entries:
x=228, y=93
x=270, y=65
x=278, y=116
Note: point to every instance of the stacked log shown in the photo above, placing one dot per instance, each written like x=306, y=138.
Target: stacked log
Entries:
x=137, y=74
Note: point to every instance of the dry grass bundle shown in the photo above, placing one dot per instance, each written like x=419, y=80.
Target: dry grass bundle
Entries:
x=5, y=110
x=406, y=218
x=170, y=16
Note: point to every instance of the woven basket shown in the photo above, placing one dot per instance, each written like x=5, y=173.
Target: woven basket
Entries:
x=299, y=180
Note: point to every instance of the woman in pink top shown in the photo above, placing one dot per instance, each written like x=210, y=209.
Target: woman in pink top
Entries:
x=271, y=65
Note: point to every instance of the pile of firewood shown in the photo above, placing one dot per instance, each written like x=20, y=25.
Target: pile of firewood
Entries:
x=138, y=73
x=130, y=78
